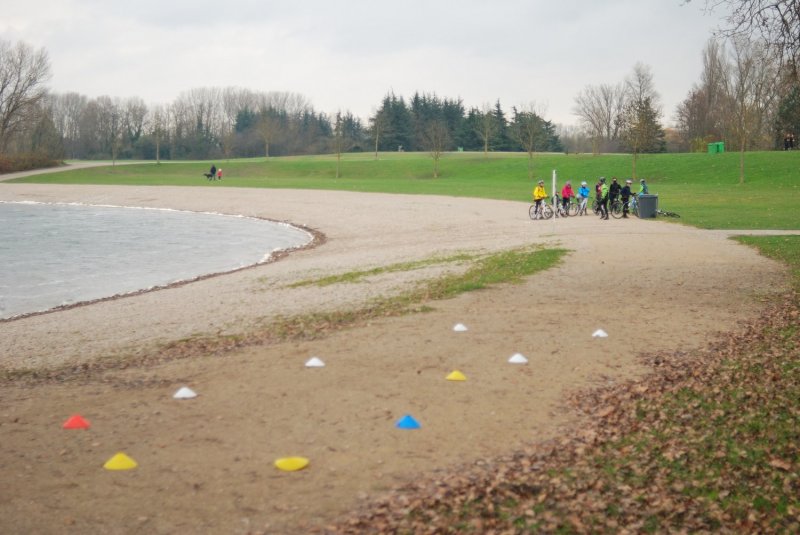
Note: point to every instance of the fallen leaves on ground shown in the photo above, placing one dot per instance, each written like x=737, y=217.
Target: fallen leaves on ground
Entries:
x=709, y=441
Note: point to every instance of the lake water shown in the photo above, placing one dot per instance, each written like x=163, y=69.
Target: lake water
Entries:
x=58, y=254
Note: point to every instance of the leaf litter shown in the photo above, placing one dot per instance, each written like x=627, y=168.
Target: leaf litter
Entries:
x=709, y=440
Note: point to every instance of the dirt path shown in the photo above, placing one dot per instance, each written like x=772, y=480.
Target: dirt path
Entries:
x=205, y=465
x=66, y=167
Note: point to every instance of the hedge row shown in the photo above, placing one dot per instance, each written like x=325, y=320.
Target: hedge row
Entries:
x=26, y=162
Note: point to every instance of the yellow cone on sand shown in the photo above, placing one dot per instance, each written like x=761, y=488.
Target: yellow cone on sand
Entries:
x=120, y=461
x=291, y=464
x=456, y=375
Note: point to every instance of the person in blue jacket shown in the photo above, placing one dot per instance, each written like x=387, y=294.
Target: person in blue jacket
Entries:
x=583, y=198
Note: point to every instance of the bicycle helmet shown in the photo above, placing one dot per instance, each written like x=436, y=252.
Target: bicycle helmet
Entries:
x=629, y=181
x=602, y=179
x=541, y=182
x=583, y=183
x=641, y=180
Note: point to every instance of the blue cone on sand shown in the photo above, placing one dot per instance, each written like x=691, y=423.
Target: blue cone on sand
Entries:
x=407, y=422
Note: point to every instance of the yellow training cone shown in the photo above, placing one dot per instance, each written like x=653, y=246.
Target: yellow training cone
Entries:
x=456, y=376
x=291, y=464
x=120, y=461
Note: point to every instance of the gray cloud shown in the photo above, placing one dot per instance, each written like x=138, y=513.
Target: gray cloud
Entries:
x=347, y=55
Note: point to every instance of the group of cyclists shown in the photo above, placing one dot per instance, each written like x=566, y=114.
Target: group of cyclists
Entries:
x=605, y=194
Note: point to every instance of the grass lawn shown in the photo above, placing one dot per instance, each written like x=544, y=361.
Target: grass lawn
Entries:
x=703, y=188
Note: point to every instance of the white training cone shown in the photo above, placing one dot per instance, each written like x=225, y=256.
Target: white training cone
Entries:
x=518, y=358
x=315, y=362
x=185, y=393
x=460, y=328
x=600, y=333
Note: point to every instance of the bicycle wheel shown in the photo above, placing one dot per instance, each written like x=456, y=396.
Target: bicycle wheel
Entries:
x=547, y=211
x=595, y=206
x=572, y=209
x=616, y=209
x=532, y=211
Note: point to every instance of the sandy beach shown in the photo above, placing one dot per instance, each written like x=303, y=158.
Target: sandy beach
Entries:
x=206, y=465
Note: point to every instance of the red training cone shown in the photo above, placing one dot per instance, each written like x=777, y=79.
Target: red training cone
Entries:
x=76, y=421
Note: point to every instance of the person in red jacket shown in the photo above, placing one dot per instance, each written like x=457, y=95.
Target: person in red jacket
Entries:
x=566, y=195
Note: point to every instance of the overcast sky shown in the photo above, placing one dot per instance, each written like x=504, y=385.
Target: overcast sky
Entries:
x=348, y=55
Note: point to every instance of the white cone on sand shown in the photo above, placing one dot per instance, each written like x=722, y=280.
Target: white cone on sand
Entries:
x=600, y=333
x=315, y=362
x=460, y=328
x=185, y=393
x=518, y=358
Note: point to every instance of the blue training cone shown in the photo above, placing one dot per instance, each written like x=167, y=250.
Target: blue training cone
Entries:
x=407, y=422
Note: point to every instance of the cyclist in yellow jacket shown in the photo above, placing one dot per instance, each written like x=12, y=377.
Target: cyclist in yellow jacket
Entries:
x=539, y=194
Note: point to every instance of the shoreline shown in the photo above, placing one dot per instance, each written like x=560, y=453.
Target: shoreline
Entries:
x=207, y=464
x=316, y=238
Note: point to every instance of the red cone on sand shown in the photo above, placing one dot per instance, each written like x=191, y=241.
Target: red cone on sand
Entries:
x=76, y=421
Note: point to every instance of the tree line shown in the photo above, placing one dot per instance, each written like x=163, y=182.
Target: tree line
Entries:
x=232, y=122
x=748, y=96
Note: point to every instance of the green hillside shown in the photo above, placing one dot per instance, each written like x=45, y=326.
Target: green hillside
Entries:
x=703, y=188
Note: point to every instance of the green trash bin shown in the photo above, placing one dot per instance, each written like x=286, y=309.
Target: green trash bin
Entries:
x=648, y=205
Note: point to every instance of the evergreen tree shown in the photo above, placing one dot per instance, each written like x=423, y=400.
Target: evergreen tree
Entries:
x=503, y=141
x=469, y=137
x=787, y=121
x=640, y=128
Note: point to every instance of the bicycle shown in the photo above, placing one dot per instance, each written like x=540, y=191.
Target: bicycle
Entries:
x=595, y=204
x=666, y=213
x=615, y=208
x=546, y=211
x=633, y=205
x=579, y=203
x=570, y=210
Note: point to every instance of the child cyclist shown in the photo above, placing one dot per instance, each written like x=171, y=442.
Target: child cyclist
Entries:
x=566, y=195
x=539, y=194
x=583, y=198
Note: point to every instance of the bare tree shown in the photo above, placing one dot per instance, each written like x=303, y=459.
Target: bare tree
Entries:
x=749, y=88
x=776, y=22
x=639, y=85
x=342, y=142
x=23, y=73
x=640, y=121
x=701, y=117
x=437, y=139
x=487, y=127
x=528, y=129
x=134, y=115
x=379, y=125
x=598, y=108
x=159, y=123
x=67, y=110
x=268, y=128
